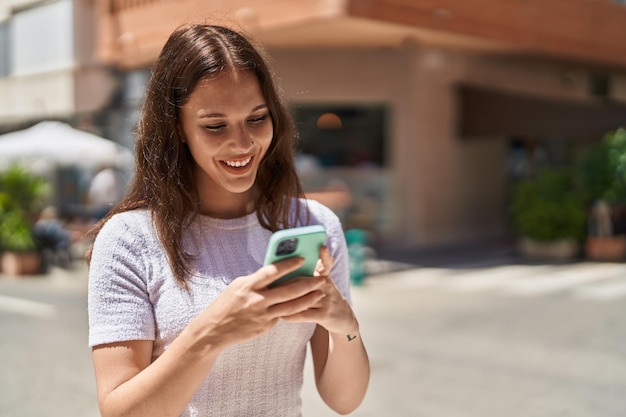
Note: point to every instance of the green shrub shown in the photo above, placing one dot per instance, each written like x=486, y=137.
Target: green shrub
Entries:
x=16, y=233
x=22, y=195
x=549, y=207
x=603, y=170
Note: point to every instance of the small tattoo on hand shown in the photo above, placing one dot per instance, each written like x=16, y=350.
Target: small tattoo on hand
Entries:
x=350, y=338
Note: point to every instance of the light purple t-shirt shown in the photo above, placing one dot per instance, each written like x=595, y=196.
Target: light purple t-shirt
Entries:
x=133, y=295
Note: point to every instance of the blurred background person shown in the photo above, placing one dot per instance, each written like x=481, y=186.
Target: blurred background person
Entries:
x=53, y=238
x=106, y=189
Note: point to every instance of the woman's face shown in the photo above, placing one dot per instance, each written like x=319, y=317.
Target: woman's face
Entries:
x=228, y=129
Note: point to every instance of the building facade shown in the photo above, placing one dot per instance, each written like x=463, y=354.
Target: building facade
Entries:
x=425, y=111
x=47, y=63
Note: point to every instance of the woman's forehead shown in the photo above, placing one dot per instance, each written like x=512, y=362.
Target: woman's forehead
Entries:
x=231, y=90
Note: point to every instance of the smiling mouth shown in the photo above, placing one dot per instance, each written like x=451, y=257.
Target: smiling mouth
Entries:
x=239, y=163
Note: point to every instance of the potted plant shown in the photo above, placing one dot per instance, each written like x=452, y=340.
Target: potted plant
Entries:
x=604, y=178
x=549, y=215
x=20, y=254
x=21, y=198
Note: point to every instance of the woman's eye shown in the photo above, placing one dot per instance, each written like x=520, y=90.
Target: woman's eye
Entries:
x=258, y=119
x=214, y=128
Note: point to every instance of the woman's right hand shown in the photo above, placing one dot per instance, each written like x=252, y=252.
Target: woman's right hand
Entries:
x=247, y=308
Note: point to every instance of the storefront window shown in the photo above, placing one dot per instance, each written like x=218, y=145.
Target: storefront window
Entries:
x=42, y=38
x=4, y=49
x=342, y=136
x=342, y=162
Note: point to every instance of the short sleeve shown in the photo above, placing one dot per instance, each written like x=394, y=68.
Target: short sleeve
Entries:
x=119, y=304
x=339, y=249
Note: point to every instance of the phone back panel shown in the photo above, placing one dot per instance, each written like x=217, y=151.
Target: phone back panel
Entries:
x=303, y=241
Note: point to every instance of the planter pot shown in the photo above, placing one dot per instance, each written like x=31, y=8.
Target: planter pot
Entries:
x=558, y=250
x=605, y=248
x=21, y=263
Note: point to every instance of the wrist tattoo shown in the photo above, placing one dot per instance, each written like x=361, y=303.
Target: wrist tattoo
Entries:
x=350, y=337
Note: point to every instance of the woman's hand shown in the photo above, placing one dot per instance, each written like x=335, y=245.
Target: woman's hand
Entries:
x=247, y=308
x=332, y=311
x=339, y=358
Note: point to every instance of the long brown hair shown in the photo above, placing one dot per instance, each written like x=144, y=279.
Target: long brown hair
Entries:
x=163, y=181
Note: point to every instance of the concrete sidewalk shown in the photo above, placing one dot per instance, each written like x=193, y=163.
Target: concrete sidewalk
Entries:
x=432, y=352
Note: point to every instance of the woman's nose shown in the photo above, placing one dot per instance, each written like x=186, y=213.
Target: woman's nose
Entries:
x=243, y=139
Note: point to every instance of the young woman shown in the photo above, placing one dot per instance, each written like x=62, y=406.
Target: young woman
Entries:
x=182, y=321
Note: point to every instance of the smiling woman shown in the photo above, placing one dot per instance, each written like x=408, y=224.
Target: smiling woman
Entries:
x=228, y=130
x=182, y=317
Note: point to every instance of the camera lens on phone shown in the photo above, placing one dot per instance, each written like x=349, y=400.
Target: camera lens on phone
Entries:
x=287, y=247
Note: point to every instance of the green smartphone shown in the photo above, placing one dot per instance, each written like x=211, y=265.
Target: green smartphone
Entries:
x=305, y=241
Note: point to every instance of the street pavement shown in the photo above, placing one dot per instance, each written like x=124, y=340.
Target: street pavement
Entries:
x=467, y=332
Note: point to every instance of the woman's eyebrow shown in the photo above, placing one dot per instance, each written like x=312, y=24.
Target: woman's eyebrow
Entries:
x=203, y=115
x=260, y=106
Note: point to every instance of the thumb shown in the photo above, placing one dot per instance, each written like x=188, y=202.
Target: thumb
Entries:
x=325, y=263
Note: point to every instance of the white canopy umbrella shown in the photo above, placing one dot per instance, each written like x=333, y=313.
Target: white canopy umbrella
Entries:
x=53, y=143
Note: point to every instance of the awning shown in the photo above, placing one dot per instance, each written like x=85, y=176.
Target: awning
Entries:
x=487, y=112
x=51, y=143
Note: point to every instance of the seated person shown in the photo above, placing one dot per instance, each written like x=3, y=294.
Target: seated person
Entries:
x=53, y=238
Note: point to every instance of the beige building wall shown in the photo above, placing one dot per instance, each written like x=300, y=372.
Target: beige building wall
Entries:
x=443, y=189
x=459, y=184
x=360, y=76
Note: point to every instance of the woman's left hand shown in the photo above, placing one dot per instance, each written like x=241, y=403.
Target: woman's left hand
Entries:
x=333, y=312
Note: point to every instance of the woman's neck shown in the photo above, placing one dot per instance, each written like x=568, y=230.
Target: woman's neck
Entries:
x=227, y=207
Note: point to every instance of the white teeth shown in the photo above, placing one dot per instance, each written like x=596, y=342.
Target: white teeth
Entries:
x=238, y=164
